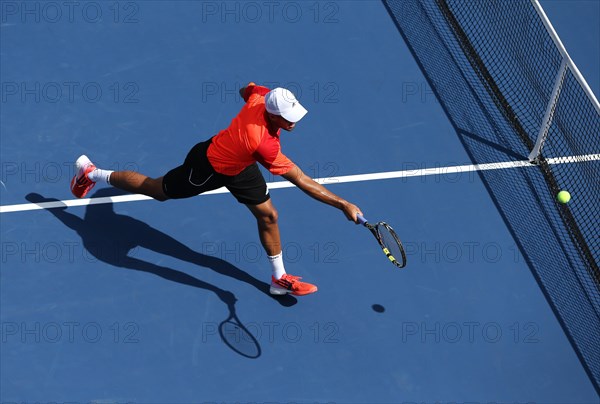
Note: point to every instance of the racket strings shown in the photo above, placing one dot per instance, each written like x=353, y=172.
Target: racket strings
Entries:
x=391, y=244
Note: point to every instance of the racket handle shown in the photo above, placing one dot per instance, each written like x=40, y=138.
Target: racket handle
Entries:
x=361, y=219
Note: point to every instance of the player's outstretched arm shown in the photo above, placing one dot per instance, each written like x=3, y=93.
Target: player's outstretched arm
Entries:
x=320, y=193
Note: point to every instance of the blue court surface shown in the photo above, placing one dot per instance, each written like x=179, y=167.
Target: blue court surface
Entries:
x=123, y=302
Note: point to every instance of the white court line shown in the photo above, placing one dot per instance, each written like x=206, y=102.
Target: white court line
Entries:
x=327, y=181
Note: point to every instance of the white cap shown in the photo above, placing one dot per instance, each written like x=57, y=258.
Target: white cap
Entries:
x=283, y=102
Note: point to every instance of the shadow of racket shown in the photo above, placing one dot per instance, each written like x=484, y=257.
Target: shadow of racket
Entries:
x=236, y=336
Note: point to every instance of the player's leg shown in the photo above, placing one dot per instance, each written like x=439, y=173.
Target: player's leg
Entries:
x=249, y=187
x=268, y=231
x=88, y=175
x=137, y=183
x=192, y=178
x=268, y=228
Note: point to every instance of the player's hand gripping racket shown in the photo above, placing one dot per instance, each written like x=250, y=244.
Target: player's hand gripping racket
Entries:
x=388, y=240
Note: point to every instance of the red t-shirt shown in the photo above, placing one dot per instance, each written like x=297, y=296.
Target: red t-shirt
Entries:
x=249, y=139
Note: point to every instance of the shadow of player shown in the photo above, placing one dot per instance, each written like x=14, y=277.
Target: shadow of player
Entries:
x=110, y=237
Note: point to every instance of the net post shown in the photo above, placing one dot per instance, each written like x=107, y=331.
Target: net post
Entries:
x=561, y=48
x=547, y=121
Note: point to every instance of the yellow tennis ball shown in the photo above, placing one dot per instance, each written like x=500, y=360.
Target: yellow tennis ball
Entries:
x=563, y=197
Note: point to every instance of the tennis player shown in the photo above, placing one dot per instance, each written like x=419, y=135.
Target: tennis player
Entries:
x=229, y=160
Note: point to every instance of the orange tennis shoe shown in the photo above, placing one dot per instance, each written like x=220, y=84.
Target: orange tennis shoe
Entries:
x=81, y=184
x=291, y=284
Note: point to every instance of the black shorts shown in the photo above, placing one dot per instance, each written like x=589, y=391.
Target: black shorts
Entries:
x=196, y=175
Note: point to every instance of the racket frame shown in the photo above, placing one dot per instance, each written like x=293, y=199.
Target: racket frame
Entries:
x=374, y=228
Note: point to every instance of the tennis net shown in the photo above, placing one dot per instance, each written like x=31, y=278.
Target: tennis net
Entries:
x=512, y=92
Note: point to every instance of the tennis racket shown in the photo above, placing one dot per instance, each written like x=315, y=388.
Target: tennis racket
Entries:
x=388, y=240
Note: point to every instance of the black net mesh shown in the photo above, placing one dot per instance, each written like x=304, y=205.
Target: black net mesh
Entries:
x=493, y=66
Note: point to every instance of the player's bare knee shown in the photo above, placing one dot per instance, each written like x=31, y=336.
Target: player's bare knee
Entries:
x=159, y=194
x=273, y=216
x=157, y=191
x=270, y=217
x=161, y=197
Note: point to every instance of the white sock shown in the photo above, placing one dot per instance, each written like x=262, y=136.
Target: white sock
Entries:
x=100, y=175
x=277, y=264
